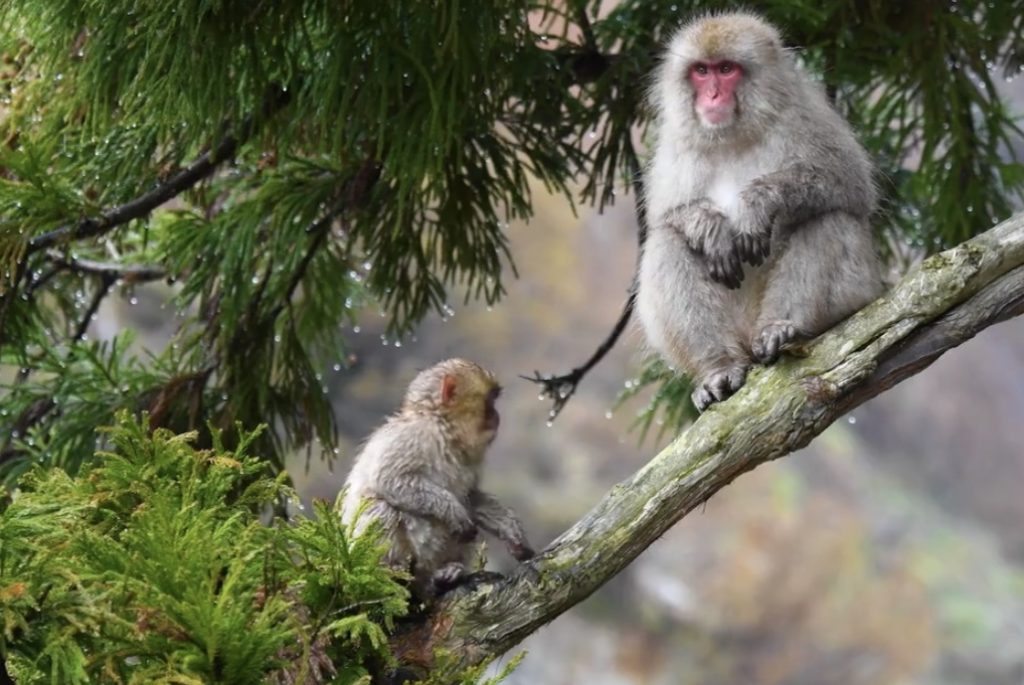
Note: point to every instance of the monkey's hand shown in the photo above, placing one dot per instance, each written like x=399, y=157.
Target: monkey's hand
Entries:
x=465, y=532
x=521, y=551
x=709, y=233
x=501, y=521
x=720, y=249
x=760, y=205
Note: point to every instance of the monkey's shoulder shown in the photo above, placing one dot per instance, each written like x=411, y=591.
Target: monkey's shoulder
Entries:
x=403, y=438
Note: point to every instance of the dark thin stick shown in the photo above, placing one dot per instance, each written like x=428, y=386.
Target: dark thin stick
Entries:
x=106, y=282
x=7, y=295
x=559, y=389
x=35, y=284
x=355, y=195
x=319, y=231
x=130, y=273
x=588, y=30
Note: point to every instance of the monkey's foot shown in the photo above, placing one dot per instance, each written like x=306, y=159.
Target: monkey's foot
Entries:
x=718, y=387
x=768, y=344
x=447, y=577
x=468, y=582
x=478, y=578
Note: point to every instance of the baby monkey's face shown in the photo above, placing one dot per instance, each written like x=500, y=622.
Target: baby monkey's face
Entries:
x=491, y=417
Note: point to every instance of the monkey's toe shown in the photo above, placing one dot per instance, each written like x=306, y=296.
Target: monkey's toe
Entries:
x=702, y=398
x=475, y=580
x=767, y=346
x=718, y=387
x=467, y=583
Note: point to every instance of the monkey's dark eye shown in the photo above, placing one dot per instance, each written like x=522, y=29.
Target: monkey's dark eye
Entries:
x=725, y=68
x=701, y=69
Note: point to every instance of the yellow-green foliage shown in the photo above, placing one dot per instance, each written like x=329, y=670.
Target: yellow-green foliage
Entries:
x=154, y=566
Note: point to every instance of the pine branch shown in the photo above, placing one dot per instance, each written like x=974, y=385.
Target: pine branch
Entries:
x=942, y=303
x=203, y=167
x=39, y=410
x=354, y=196
x=90, y=227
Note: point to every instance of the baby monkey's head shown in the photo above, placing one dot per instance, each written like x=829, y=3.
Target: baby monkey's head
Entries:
x=461, y=392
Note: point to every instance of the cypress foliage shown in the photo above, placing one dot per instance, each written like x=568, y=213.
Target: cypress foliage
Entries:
x=153, y=566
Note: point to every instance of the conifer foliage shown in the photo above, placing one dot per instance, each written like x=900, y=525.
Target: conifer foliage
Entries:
x=153, y=566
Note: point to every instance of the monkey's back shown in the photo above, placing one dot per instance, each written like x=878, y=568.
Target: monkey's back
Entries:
x=409, y=446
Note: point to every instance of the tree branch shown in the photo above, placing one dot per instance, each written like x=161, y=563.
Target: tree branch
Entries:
x=129, y=273
x=560, y=389
x=942, y=303
x=171, y=188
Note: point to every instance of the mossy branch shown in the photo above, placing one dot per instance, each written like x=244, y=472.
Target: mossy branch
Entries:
x=945, y=301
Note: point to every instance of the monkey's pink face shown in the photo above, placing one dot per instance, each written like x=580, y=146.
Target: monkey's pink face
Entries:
x=715, y=86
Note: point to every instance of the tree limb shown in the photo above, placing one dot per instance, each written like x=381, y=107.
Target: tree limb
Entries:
x=139, y=207
x=129, y=273
x=943, y=302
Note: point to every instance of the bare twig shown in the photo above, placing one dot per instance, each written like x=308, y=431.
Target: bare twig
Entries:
x=560, y=389
x=589, y=39
x=106, y=283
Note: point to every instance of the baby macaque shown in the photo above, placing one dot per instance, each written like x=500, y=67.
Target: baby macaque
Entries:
x=758, y=197
x=419, y=474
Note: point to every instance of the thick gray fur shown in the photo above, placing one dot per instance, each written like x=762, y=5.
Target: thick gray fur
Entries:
x=759, y=228
x=418, y=476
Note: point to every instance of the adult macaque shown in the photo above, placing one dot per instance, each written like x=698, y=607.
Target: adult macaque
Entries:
x=758, y=197
x=420, y=474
